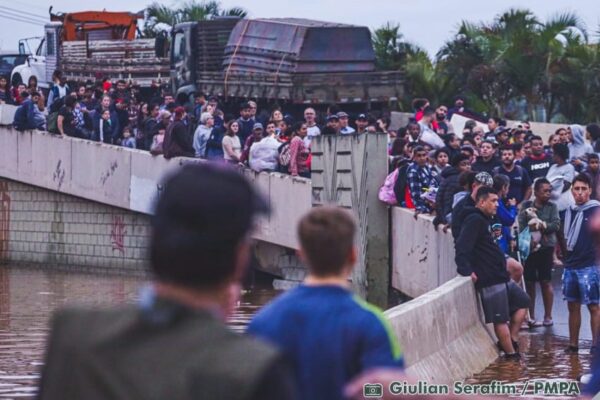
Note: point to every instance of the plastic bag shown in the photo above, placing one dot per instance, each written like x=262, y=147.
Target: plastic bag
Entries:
x=524, y=244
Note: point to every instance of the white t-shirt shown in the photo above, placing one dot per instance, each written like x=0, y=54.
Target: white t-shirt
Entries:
x=234, y=142
x=311, y=132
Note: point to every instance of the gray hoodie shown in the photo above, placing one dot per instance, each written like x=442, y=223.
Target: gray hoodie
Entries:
x=579, y=147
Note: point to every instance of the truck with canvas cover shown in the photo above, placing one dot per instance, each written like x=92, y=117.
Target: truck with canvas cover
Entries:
x=290, y=59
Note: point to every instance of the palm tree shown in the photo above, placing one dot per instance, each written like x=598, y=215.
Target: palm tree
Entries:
x=387, y=46
x=192, y=10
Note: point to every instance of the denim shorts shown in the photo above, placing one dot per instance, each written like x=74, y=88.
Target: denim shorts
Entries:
x=581, y=285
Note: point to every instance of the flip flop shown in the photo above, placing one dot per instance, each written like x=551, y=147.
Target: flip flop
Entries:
x=548, y=322
x=534, y=324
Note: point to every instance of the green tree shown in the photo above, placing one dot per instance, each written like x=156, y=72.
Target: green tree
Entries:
x=157, y=13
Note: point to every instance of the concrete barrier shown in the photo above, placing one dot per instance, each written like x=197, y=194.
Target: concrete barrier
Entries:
x=7, y=114
x=422, y=258
x=441, y=334
x=130, y=179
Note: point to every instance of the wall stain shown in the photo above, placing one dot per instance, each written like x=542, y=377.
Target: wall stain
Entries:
x=117, y=233
x=108, y=173
x=59, y=174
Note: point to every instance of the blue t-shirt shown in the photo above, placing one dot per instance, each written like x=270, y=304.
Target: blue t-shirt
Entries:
x=329, y=335
x=584, y=253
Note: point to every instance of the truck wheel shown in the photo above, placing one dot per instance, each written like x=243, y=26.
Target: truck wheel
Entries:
x=16, y=80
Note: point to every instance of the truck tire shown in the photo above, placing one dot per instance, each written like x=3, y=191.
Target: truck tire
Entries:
x=16, y=80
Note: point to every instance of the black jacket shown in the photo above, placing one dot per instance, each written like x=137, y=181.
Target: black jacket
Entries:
x=177, y=142
x=477, y=252
x=445, y=194
x=459, y=213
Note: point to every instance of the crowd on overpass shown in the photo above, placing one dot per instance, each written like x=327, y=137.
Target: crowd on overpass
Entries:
x=270, y=139
x=543, y=195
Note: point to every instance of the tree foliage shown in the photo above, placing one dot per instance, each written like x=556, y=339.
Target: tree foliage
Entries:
x=516, y=58
x=158, y=14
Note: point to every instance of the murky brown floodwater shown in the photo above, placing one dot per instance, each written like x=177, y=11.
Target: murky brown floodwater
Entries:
x=28, y=297
x=542, y=357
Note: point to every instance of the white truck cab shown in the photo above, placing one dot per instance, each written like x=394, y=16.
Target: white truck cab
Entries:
x=45, y=60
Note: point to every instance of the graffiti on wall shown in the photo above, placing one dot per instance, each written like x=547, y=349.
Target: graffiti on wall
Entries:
x=117, y=233
x=4, y=219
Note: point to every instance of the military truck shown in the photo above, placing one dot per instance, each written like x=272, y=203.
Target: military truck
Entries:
x=286, y=59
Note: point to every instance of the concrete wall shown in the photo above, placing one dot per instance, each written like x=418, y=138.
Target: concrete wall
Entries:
x=422, y=258
x=7, y=114
x=130, y=179
x=47, y=227
x=348, y=171
x=441, y=335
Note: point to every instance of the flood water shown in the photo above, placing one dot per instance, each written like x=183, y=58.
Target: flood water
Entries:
x=28, y=297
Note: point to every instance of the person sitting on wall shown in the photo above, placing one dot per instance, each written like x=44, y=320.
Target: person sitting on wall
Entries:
x=478, y=256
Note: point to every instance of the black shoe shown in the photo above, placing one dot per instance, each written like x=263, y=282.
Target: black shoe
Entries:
x=515, y=346
x=512, y=356
x=572, y=350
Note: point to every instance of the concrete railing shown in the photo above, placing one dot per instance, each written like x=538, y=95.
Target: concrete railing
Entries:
x=442, y=336
x=422, y=258
x=130, y=179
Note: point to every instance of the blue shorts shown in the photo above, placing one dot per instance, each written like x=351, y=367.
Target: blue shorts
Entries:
x=581, y=285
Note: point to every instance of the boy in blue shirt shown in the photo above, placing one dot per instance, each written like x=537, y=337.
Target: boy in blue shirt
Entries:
x=327, y=333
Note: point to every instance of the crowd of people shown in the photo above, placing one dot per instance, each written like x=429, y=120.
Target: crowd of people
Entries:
x=517, y=207
x=173, y=126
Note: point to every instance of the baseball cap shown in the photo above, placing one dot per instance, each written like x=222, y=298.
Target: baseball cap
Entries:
x=332, y=116
x=342, y=114
x=362, y=116
x=257, y=125
x=484, y=178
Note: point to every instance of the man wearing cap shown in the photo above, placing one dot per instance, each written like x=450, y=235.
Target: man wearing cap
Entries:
x=361, y=123
x=463, y=207
x=345, y=128
x=333, y=125
x=207, y=122
x=257, y=135
x=487, y=160
x=173, y=344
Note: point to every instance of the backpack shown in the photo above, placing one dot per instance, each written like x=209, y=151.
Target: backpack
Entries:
x=20, y=119
x=386, y=191
x=285, y=154
x=401, y=183
x=53, y=122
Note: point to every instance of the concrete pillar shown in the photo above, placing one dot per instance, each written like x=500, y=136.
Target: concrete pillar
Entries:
x=348, y=171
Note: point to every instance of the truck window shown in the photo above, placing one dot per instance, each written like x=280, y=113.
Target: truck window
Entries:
x=178, y=47
x=50, y=49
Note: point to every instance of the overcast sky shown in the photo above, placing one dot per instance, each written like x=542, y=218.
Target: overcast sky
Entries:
x=426, y=23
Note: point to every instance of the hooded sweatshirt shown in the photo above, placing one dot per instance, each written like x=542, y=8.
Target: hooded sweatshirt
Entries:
x=579, y=147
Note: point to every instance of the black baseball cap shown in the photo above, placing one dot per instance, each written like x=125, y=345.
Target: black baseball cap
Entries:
x=362, y=116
